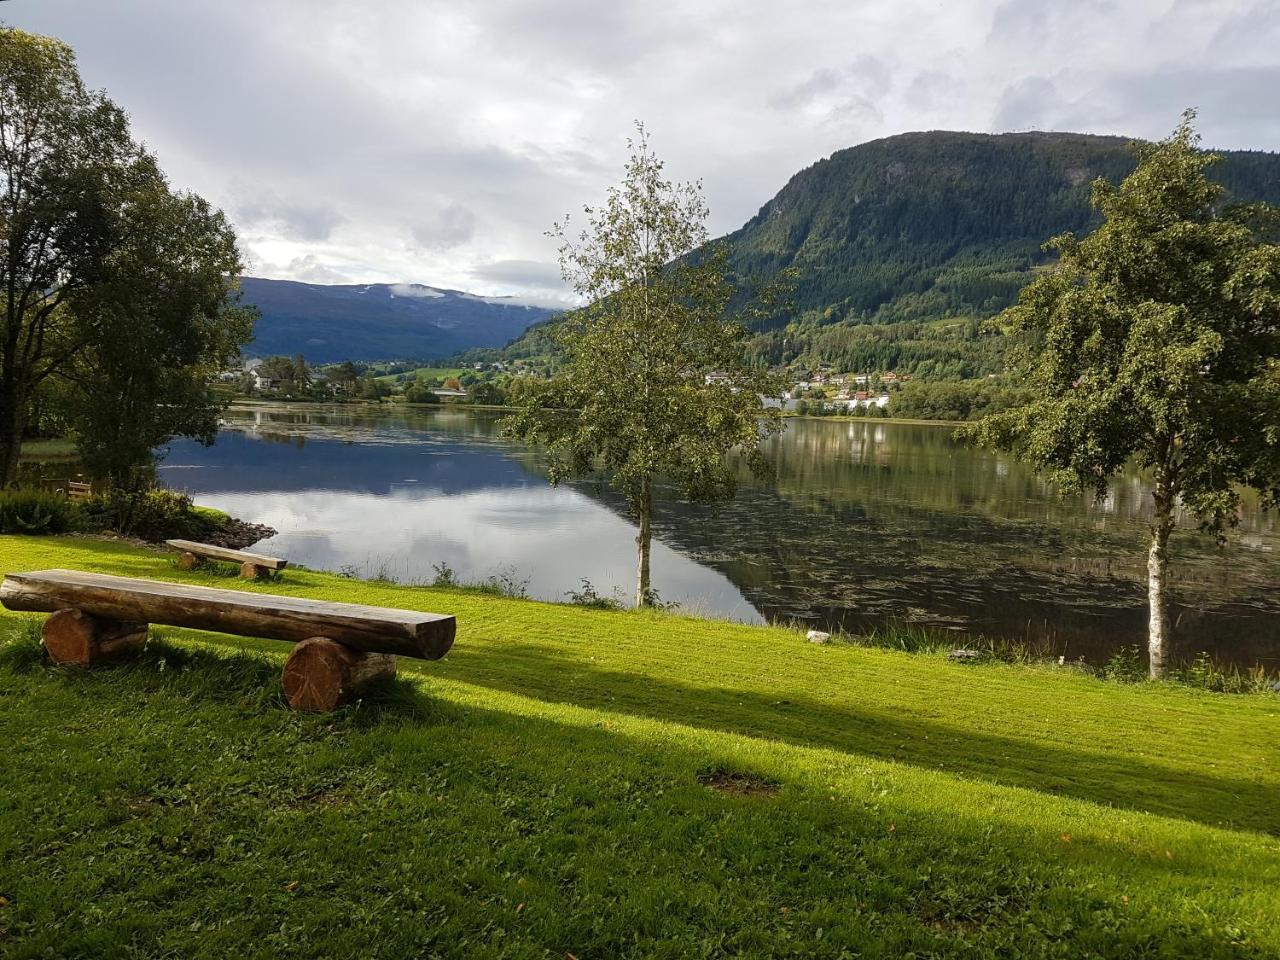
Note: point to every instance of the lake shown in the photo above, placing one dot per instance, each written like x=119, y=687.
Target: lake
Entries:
x=864, y=522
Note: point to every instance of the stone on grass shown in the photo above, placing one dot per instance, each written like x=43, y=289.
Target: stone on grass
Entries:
x=965, y=655
x=817, y=636
x=1276, y=686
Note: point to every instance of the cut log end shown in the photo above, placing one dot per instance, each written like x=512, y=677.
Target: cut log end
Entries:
x=321, y=675
x=252, y=571
x=187, y=560
x=80, y=639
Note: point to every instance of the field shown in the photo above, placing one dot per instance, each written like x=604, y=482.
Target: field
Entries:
x=442, y=373
x=572, y=782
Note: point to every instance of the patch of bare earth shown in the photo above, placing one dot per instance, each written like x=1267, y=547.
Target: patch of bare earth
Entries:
x=739, y=784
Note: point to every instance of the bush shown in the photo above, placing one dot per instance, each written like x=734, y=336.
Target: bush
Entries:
x=154, y=515
x=33, y=511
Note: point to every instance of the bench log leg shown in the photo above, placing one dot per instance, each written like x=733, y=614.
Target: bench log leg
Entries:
x=78, y=638
x=188, y=560
x=251, y=571
x=321, y=675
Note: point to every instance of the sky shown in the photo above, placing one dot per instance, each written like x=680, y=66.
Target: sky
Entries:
x=436, y=142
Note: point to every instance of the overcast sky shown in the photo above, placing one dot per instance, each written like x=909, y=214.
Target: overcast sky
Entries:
x=435, y=142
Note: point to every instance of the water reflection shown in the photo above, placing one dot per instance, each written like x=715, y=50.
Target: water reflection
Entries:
x=863, y=521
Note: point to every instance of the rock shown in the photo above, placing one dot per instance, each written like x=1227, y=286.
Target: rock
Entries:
x=817, y=636
x=1276, y=686
x=965, y=655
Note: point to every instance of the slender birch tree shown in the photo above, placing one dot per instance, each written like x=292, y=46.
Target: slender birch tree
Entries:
x=653, y=379
x=1155, y=339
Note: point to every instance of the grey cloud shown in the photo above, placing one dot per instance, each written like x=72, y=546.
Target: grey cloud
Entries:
x=297, y=221
x=520, y=273
x=309, y=269
x=850, y=91
x=450, y=136
x=1235, y=105
x=453, y=226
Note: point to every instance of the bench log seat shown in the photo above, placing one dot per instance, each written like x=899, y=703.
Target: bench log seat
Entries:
x=252, y=565
x=340, y=647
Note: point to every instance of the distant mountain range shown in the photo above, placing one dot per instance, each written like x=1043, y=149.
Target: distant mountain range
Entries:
x=901, y=245
x=378, y=321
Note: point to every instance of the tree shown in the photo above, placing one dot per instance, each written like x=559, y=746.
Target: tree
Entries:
x=654, y=379
x=163, y=319
x=1156, y=338
x=420, y=391
x=67, y=163
x=485, y=393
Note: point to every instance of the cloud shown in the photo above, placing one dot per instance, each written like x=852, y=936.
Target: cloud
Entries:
x=452, y=227
x=432, y=141
x=292, y=220
x=309, y=269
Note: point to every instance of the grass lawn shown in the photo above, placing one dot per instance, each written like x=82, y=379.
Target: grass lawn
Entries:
x=48, y=449
x=443, y=373
x=597, y=784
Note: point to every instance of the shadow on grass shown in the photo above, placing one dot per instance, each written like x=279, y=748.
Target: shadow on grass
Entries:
x=615, y=832
x=1084, y=774
x=217, y=673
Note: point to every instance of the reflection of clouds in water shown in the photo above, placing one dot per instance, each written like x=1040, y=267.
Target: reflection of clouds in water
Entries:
x=553, y=537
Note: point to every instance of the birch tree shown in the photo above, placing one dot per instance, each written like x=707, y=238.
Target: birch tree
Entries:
x=1155, y=339
x=653, y=380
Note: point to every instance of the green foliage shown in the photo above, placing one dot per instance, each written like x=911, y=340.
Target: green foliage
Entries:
x=589, y=596
x=654, y=380
x=165, y=318
x=486, y=393
x=420, y=391
x=153, y=514
x=32, y=511
x=954, y=399
x=1155, y=339
x=116, y=286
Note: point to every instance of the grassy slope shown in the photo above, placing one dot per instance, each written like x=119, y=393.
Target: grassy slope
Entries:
x=537, y=793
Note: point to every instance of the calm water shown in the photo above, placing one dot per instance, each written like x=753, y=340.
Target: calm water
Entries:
x=863, y=522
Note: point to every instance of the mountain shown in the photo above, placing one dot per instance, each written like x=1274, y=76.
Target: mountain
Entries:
x=925, y=225
x=902, y=245
x=378, y=321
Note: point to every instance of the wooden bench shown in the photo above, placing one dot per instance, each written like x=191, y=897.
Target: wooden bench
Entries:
x=79, y=490
x=340, y=647
x=252, y=565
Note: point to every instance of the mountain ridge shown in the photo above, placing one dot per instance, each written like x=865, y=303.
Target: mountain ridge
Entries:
x=379, y=321
x=904, y=243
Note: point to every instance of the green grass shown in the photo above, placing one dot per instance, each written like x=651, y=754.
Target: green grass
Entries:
x=540, y=792
x=57, y=448
x=441, y=372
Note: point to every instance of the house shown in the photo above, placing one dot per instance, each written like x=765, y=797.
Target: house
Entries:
x=265, y=383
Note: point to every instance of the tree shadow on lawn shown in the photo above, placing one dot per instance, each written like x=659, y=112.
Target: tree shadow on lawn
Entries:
x=1108, y=779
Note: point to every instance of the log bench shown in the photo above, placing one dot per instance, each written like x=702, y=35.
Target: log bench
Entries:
x=340, y=648
x=252, y=565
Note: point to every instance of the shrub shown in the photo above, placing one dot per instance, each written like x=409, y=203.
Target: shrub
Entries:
x=155, y=514
x=588, y=596
x=33, y=511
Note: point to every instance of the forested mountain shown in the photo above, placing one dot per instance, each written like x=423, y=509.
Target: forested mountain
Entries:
x=378, y=321
x=901, y=245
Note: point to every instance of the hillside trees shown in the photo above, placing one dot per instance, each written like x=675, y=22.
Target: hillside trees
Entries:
x=654, y=381
x=1155, y=338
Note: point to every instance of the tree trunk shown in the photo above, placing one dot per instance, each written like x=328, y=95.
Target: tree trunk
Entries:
x=1157, y=566
x=644, y=539
x=12, y=423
